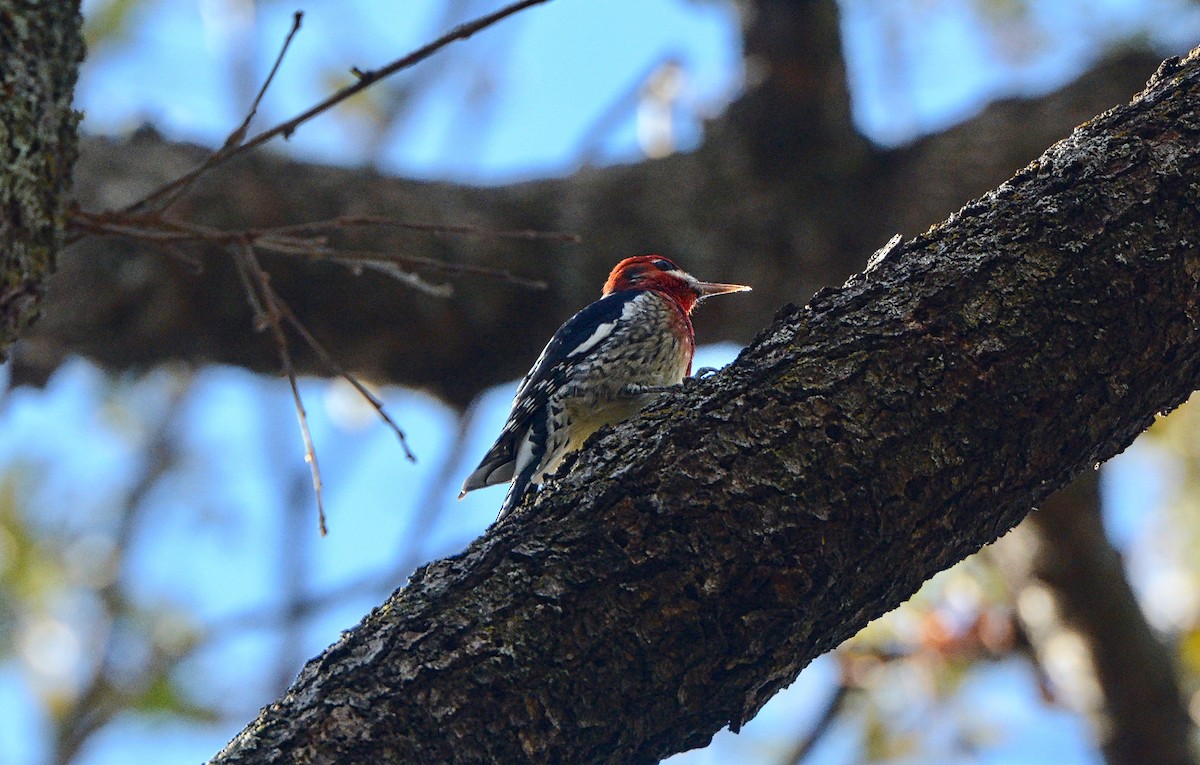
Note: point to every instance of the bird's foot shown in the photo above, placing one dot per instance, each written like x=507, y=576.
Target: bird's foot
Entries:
x=642, y=390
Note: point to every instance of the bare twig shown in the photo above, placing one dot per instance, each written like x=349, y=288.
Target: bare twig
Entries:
x=412, y=552
x=365, y=80
x=273, y=313
x=241, y=265
x=301, y=239
x=394, y=271
x=239, y=134
x=338, y=369
x=157, y=227
x=804, y=747
x=348, y=221
x=418, y=262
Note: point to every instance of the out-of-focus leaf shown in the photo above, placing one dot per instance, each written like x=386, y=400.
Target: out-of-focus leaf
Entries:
x=1189, y=650
x=161, y=696
x=366, y=105
x=29, y=566
x=1003, y=11
x=108, y=22
x=882, y=742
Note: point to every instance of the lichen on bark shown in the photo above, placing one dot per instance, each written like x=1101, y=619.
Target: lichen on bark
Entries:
x=41, y=47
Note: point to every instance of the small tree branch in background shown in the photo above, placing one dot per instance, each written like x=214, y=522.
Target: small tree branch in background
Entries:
x=349, y=221
x=270, y=316
x=355, y=383
x=169, y=192
x=304, y=239
x=824, y=722
x=239, y=133
x=1089, y=634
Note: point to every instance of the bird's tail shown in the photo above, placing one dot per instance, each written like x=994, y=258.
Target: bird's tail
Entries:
x=521, y=485
x=496, y=467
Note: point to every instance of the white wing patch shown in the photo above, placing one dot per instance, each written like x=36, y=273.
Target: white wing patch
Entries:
x=602, y=331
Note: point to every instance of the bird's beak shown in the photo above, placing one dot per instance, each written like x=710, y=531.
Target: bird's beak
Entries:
x=708, y=289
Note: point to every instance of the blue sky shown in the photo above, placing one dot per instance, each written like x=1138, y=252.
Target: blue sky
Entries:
x=514, y=102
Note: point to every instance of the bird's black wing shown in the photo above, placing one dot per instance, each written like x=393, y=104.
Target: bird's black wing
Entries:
x=575, y=339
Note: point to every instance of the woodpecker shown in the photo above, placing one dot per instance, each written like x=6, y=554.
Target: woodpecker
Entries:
x=603, y=365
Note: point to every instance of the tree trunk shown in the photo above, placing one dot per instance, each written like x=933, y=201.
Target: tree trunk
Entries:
x=696, y=558
x=1089, y=634
x=41, y=46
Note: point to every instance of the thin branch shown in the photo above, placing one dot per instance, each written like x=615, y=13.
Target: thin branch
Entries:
x=260, y=318
x=411, y=554
x=338, y=369
x=803, y=748
x=273, y=314
x=365, y=80
x=115, y=223
x=394, y=271
x=347, y=221
x=268, y=309
x=301, y=239
x=192, y=262
x=239, y=134
x=417, y=262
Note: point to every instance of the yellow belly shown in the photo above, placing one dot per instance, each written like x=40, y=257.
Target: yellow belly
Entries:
x=586, y=420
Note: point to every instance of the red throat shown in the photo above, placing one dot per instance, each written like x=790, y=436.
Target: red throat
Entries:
x=675, y=290
x=641, y=273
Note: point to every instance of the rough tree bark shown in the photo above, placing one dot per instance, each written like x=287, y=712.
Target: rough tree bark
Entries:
x=816, y=195
x=693, y=560
x=40, y=50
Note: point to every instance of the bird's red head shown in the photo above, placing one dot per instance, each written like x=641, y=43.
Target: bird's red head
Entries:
x=654, y=272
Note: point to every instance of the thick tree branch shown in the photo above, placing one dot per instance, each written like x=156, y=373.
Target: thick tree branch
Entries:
x=796, y=119
x=129, y=308
x=695, y=559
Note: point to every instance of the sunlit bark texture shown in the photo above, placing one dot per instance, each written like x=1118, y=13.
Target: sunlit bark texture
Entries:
x=40, y=51
x=695, y=559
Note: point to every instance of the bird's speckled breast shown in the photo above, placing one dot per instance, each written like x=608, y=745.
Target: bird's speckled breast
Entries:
x=654, y=348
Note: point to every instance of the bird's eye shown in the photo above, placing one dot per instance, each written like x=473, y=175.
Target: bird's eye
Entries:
x=664, y=265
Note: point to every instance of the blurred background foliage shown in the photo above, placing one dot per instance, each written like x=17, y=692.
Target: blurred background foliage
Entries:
x=161, y=576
